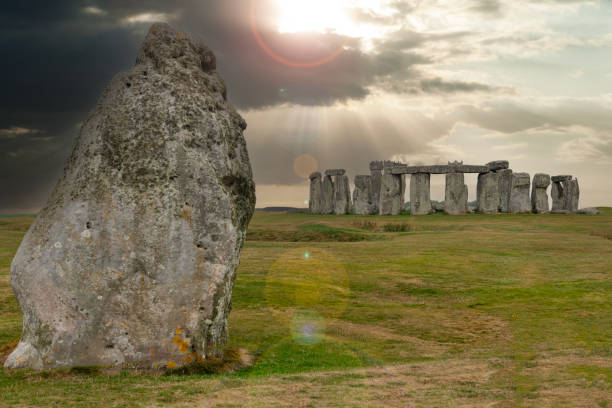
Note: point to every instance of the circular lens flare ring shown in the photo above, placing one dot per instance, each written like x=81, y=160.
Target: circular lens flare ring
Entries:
x=286, y=61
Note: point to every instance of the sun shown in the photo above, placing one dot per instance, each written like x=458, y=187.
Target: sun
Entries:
x=328, y=16
x=318, y=16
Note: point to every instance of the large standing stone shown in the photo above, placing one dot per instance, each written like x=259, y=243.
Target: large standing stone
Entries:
x=557, y=194
x=342, y=195
x=391, y=202
x=488, y=193
x=505, y=189
x=539, y=196
x=362, y=196
x=520, y=201
x=376, y=168
x=565, y=194
x=573, y=195
x=420, y=202
x=455, y=201
x=316, y=190
x=132, y=260
x=327, y=196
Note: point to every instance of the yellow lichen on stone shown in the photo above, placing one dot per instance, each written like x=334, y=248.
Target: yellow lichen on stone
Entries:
x=178, y=331
x=171, y=364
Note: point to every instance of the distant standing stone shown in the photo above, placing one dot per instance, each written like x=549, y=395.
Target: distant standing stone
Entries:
x=573, y=195
x=391, y=202
x=362, y=196
x=342, y=195
x=456, y=197
x=316, y=190
x=133, y=259
x=420, y=202
x=520, y=201
x=327, y=196
x=539, y=195
x=505, y=189
x=488, y=193
x=376, y=180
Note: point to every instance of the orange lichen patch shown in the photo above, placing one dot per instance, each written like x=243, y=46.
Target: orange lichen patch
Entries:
x=188, y=360
x=152, y=351
x=178, y=331
x=106, y=215
x=47, y=362
x=182, y=345
x=118, y=275
x=186, y=213
x=171, y=364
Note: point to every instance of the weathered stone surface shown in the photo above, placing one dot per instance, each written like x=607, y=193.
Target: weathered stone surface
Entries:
x=573, y=195
x=539, y=195
x=391, y=200
x=498, y=165
x=488, y=193
x=335, y=172
x=376, y=181
x=565, y=194
x=362, y=196
x=520, y=201
x=439, y=169
x=456, y=196
x=541, y=180
x=327, y=196
x=505, y=189
x=316, y=191
x=133, y=258
x=557, y=193
x=557, y=179
x=342, y=195
x=420, y=202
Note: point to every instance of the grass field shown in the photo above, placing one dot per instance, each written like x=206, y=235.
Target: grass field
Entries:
x=435, y=311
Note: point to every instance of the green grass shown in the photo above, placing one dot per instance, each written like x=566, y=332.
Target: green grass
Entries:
x=513, y=310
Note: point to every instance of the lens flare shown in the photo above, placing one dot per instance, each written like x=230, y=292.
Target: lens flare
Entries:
x=304, y=165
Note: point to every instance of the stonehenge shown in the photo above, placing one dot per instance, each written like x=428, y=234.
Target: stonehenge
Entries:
x=499, y=190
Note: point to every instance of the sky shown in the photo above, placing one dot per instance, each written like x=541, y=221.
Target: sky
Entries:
x=331, y=84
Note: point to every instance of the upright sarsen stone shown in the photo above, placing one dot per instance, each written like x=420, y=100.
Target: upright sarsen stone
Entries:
x=133, y=258
x=420, y=202
x=572, y=195
x=362, y=196
x=376, y=168
x=342, y=195
x=456, y=194
x=487, y=191
x=505, y=189
x=520, y=201
x=327, y=195
x=316, y=190
x=391, y=202
x=565, y=194
x=539, y=195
